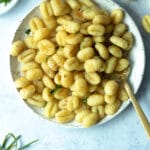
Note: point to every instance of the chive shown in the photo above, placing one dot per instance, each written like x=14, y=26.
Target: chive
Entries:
x=5, y=1
x=14, y=142
x=28, y=31
x=84, y=100
x=57, y=87
x=27, y=145
x=53, y=91
x=7, y=138
x=1, y=147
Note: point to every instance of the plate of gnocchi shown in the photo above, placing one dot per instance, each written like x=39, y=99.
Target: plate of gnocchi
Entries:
x=64, y=55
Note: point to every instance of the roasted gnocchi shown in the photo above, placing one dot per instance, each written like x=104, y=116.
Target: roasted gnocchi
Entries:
x=146, y=23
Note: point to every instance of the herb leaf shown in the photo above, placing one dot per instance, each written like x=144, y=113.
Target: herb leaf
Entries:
x=1, y=147
x=5, y=1
x=28, y=31
x=84, y=100
x=27, y=145
x=13, y=144
x=7, y=138
x=57, y=87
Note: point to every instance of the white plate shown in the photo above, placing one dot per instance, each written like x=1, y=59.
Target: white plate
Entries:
x=137, y=58
x=5, y=8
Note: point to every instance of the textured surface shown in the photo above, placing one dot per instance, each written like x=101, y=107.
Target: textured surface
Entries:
x=124, y=132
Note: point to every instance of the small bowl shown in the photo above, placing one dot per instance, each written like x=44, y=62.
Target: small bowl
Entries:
x=5, y=8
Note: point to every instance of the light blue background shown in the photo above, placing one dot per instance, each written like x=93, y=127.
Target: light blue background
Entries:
x=122, y=133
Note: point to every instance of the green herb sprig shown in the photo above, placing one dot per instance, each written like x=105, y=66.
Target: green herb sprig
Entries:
x=84, y=100
x=57, y=87
x=28, y=31
x=10, y=142
x=5, y=1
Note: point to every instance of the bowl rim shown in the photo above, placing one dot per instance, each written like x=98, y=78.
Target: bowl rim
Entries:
x=8, y=7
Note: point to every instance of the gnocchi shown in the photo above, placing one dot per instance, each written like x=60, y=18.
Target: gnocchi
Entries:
x=96, y=30
x=27, y=91
x=34, y=74
x=67, y=78
x=73, y=103
x=81, y=114
x=61, y=93
x=95, y=99
x=90, y=120
x=47, y=70
x=115, y=51
x=81, y=87
x=122, y=95
x=119, y=29
x=102, y=50
x=36, y=23
x=46, y=95
x=40, y=57
x=36, y=100
x=122, y=64
x=64, y=116
x=111, y=87
x=93, y=78
x=59, y=7
x=146, y=23
x=110, y=109
x=86, y=42
x=46, y=9
x=38, y=86
x=30, y=65
x=100, y=109
x=52, y=64
x=71, y=64
x=50, y=22
x=117, y=16
x=90, y=12
x=73, y=4
x=51, y=109
x=84, y=28
x=30, y=42
x=74, y=39
x=27, y=56
x=17, y=48
x=22, y=82
x=48, y=82
x=46, y=47
x=118, y=41
x=111, y=65
x=85, y=53
x=71, y=26
x=101, y=19
x=42, y=33
x=70, y=50
x=129, y=38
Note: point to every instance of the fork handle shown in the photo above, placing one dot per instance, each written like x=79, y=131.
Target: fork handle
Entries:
x=138, y=110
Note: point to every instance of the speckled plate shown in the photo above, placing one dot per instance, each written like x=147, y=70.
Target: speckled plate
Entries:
x=137, y=59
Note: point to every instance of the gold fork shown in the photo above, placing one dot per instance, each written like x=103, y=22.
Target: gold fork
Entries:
x=122, y=77
x=138, y=109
